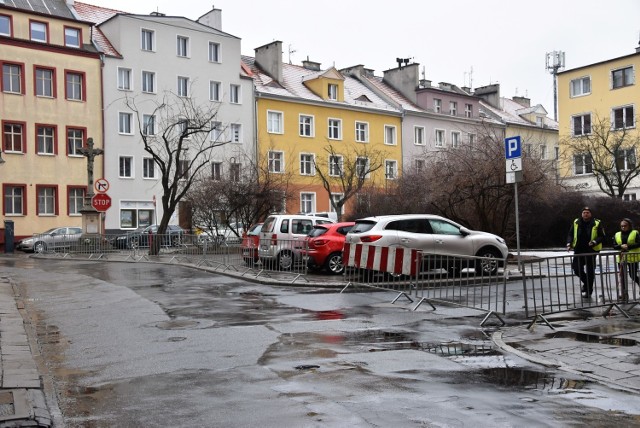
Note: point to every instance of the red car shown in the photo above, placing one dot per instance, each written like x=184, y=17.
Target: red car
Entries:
x=250, y=244
x=324, y=246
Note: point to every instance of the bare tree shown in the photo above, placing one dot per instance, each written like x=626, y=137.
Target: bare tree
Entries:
x=607, y=150
x=346, y=173
x=176, y=133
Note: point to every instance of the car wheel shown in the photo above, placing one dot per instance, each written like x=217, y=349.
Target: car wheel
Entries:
x=489, y=263
x=334, y=263
x=285, y=260
x=39, y=247
x=133, y=243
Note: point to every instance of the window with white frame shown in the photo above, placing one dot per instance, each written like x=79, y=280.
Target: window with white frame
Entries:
x=124, y=79
x=214, y=91
x=540, y=121
x=437, y=105
x=46, y=137
x=455, y=139
x=362, y=167
x=307, y=164
x=622, y=77
x=74, y=86
x=439, y=138
x=472, y=139
x=148, y=124
x=336, y=164
x=306, y=125
x=13, y=138
x=526, y=150
x=14, y=199
x=75, y=141
x=148, y=168
x=418, y=135
x=5, y=25
x=419, y=165
x=183, y=86
x=542, y=149
x=623, y=117
x=625, y=159
x=580, y=86
x=582, y=164
x=274, y=122
x=556, y=152
x=390, y=135
x=453, y=108
x=390, y=169
x=216, y=171
x=629, y=197
x=149, y=82
x=125, y=121
x=234, y=94
x=276, y=161
x=147, y=40
x=44, y=82
x=333, y=91
x=307, y=202
x=46, y=204
x=334, y=201
x=362, y=132
x=236, y=132
x=335, y=129
x=75, y=203
x=12, y=78
x=125, y=167
x=214, y=52
x=581, y=124
x=234, y=171
x=72, y=37
x=182, y=46
x=468, y=110
x=183, y=169
x=183, y=128
x=39, y=31
x=217, y=131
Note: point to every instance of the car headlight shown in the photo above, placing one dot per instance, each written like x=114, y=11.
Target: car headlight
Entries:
x=27, y=241
x=500, y=240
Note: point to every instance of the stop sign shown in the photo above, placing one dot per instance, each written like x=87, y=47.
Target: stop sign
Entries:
x=101, y=202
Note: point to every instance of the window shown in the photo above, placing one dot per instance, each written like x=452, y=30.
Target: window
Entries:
x=216, y=171
x=390, y=169
x=455, y=139
x=439, y=138
x=306, y=126
x=306, y=164
x=274, y=122
x=75, y=202
x=332, y=92
x=335, y=129
x=580, y=86
x=418, y=135
x=148, y=168
x=74, y=86
x=182, y=46
x=214, y=52
x=623, y=117
x=583, y=164
x=472, y=139
x=75, y=141
x=148, y=82
x=183, y=169
x=276, y=161
x=419, y=165
x=12, y=78
x=44, y=82
x=453, y=108
x=540, y=121
x=526, y=149
x=182, y=126
x=46, y=140
x=307, y=202
x=542, y=149
x=362, y=167
x=556, y=152
x=72, y=37
x=214, y=91
x=13, y=137
x=390, y=135
x=217, y=131
x=5, y=25
x=629, y=197
x=622, y=77
x=437, y=105
x=126, y=167
x=334, y=201
x=581, y=124
x=336, y=163
x=47, y=200
x=14, y=200
x=183, y=86
x=362, y=132
x=236, y=132
x=124, y=79
x=125, y=121
x=234, y=171
x=468, y=110
x=625, y=159
x=38, y=31
x=148, y=124
x=234, y=94
x=147, y=40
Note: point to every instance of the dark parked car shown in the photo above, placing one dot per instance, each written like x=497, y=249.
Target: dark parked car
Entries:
x=143, y=236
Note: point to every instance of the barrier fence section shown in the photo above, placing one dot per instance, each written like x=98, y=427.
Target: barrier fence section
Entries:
x=551, y=285
x=472, y=282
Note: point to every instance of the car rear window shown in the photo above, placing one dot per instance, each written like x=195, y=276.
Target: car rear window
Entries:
x=317, y=231
x=255, y=229
x=362, y=226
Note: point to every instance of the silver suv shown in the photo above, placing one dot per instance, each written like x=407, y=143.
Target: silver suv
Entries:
x=437, y=236
x=282, y=238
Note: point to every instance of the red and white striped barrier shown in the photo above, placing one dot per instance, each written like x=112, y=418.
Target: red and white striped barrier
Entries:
x=396, y=260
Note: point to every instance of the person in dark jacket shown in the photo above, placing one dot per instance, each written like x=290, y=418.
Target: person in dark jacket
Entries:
x=627, y=241
x=585, y=238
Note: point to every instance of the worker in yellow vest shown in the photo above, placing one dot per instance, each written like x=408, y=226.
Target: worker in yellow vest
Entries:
x=627, y=241
x=585, y=238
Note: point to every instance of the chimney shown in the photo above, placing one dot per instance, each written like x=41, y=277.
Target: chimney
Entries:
x=523, y=101
x=466, y=89
x=157, y=14
x=403, y=79
x=311, y=65
x=212, y=19
x=424, y=83
x=269, y=59
x=489, y=93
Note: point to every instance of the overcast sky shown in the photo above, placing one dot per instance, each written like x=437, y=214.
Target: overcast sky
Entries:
x=464, y=42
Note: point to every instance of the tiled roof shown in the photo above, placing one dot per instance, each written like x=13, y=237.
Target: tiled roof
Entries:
x=46, y=7
x=98, y=15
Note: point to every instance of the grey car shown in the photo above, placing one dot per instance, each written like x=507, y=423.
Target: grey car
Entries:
x=55, y=238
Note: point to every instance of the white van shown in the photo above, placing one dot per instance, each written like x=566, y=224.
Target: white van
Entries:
x=282, y=238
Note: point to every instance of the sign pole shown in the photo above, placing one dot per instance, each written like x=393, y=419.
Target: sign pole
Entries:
x=513, y=156
x=515, y=190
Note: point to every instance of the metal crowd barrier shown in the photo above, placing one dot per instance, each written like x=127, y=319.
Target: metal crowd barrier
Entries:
x=551, y=285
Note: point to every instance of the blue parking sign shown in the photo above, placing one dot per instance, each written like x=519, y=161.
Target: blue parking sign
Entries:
x=512, y=147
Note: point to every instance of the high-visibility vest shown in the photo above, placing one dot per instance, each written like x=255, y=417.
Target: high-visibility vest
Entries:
x=633, y=255
x=594, y=234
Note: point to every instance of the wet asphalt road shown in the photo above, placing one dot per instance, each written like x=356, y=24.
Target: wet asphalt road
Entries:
x=126, y=344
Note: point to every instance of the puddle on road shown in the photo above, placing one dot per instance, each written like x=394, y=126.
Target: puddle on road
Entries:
x=614, y=328
x=592, y=338
x=529, y=379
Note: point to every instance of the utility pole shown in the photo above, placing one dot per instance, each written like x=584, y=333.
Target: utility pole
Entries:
x=555, y=62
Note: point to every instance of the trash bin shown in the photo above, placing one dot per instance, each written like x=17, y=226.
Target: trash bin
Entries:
x=8, y=236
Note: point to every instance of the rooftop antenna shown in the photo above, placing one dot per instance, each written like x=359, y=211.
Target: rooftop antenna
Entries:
x=424, y=73
x=470, y=75
x=291, y=51
x=555, y=62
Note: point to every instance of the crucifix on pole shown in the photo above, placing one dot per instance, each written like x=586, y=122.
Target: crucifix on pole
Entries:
x=90, y=216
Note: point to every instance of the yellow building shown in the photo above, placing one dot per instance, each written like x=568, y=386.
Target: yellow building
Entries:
x=51, y=102
x=308, y=117
x=594, y=100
